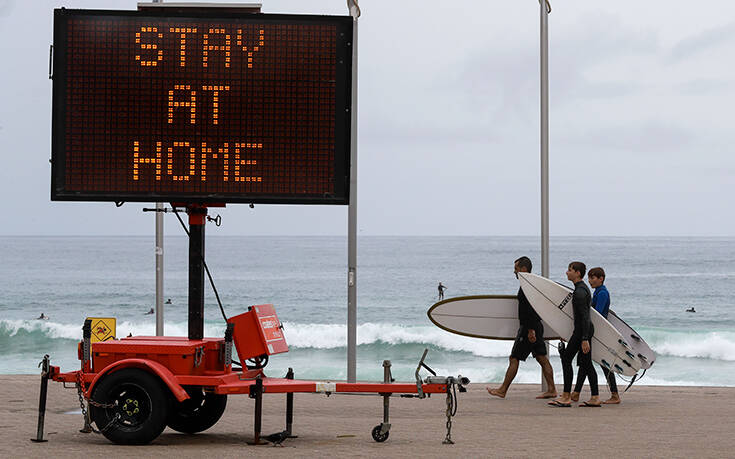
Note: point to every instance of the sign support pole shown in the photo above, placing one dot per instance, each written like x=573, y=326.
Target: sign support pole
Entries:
x=544, y=52
x=159, y=261
x=197, y=222
x=352, y=213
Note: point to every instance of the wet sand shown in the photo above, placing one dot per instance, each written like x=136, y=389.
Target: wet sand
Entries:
x=651, y=422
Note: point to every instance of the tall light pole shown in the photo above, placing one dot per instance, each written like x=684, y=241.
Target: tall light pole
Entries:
x=354, y=9
x=545, y=9
x=544, y=48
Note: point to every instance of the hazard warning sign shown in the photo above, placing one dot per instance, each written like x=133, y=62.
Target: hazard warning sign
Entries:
x=103, y=328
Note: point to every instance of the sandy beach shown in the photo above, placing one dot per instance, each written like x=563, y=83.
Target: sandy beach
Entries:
x=651, y=422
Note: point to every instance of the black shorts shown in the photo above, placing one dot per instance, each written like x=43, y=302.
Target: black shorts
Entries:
x=522, y=347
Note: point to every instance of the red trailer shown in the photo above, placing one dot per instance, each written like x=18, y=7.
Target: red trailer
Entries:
x=132, y=388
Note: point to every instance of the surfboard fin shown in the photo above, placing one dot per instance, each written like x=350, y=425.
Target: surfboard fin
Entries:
x=633, y=380
x=604, y=362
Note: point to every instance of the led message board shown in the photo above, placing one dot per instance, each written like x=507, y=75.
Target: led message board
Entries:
x=192, y=107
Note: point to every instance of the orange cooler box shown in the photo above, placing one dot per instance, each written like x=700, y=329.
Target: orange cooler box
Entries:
x=258, y=332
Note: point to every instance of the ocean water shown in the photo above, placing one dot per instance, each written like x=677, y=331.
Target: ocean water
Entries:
x=652, y=281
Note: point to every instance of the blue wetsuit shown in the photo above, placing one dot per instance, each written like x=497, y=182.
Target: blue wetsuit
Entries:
x=601, y=300
x=601, y=303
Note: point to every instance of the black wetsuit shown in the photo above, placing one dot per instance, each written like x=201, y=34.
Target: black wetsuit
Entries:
x=529, y=320
x=583, y=331
x=601, y=302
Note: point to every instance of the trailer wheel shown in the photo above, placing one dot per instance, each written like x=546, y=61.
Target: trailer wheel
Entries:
x=198, y=413
x=377, y=436
x=141, y=407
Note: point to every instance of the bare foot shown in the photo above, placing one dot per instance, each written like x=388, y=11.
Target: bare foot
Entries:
x=575, y=396
x=547, y=394
x=496, y=392
x=613, y=400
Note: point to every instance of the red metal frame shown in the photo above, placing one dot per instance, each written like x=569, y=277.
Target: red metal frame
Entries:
x=223, y=381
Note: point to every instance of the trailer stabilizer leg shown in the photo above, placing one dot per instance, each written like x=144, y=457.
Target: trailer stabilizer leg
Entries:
x=45, y=368
x=381, y=432
x=289, y=408
x=256, y=392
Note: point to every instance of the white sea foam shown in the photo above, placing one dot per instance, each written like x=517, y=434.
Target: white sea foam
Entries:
x=332, y=336
x=49, y=329
x=699, y=345
x=706, y=345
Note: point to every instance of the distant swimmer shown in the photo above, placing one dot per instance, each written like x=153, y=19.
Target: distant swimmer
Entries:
x=441, y=289
x=150, y=312
x=42, y=317
x=168, y=301
x=688, y=310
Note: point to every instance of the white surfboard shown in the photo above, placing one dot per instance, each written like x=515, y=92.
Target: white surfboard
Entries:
x=553, y=302
x=481, y=316
x=638, y=346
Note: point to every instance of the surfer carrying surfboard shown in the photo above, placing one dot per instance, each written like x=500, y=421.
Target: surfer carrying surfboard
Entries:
x=529, y=340
x=601, y=302
x=579, y=342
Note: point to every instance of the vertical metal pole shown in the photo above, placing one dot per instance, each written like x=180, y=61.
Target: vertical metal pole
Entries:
x=159, y=269
x=159, y=261
x=257, y=393
x=544, y=52
x=46, y=368
x=197, y=220
x=289, y=406
x=352, y=213
x=387, y=378
x=544, y=45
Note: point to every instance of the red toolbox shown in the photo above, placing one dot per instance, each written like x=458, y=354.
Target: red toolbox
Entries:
x=179, y=354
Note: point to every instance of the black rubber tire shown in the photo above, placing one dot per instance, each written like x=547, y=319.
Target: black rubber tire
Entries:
x=197, y=414
x=377, y=436
x=142, y=404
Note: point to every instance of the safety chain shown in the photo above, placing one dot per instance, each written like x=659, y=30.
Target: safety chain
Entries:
x=448, y=438
x=85, y=414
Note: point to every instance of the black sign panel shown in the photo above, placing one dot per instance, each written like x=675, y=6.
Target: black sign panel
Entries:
x=200, y=108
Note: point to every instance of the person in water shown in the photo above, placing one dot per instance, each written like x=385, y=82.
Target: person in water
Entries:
x=580, y=342
x=42, y=317
x=691, y=309
x=529, y=340
x=168, y=301
x=441, y=289
x=150, y=312
x=601, y=303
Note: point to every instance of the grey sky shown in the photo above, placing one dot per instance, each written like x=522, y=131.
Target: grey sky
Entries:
x=641, y=95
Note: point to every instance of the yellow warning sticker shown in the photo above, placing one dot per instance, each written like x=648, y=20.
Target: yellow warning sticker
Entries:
x=103, y=328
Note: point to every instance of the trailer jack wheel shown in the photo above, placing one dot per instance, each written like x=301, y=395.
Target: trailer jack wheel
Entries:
x=198, y=413
x=140, y=407
x=379, y=435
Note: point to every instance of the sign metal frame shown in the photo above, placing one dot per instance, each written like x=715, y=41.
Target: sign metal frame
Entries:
x=342, y=110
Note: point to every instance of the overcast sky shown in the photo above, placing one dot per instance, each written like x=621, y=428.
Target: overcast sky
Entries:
x=641, y=114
